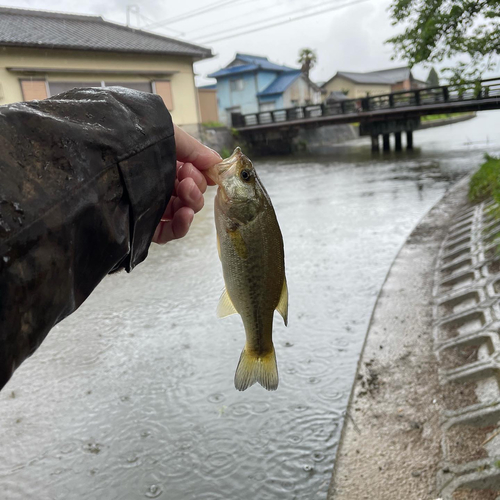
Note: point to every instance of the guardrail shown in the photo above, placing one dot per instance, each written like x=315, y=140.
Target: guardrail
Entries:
x=471, y=91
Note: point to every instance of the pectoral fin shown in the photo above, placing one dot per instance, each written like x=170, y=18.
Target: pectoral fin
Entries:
x=238, y=243
x=282, y=306
x=225, y=307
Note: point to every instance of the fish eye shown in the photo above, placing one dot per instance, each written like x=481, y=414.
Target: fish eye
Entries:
x=245, y=175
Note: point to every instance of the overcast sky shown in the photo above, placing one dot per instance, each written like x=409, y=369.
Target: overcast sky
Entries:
x=349, y=38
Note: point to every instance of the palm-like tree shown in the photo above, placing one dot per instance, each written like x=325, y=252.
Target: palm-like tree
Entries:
x=308, y=59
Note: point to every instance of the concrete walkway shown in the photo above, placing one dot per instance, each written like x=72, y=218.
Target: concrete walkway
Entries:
x=423, y=415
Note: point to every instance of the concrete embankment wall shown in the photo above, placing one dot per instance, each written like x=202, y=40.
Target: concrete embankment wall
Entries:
x=323, y=140
x=218, y=138
x=424, y=414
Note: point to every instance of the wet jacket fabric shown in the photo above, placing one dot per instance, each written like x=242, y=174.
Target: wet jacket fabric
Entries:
x=85, y=177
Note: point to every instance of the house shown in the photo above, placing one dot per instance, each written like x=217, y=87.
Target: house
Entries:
x=336, y=96
x=45, y=53
x=207, y=96
x=250, y=84
x=355, y=85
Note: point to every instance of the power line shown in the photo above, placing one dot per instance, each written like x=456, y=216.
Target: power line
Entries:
x=239, y=16
x=149, y=20
x=180, y=17
x=255, y=23
x=337, y=7
x=226, y=20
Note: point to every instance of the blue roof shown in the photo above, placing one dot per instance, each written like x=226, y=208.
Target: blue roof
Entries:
x=250, y=58
x=234, y=70
x=253, y=63
x=280, y=84
x=262, y=62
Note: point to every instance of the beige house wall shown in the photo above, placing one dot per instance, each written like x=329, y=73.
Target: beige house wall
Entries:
x=355, y=90
x=98, y=64
x=404, y=85
x=301, y=92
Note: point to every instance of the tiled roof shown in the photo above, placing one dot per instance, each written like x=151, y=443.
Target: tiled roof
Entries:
x=31, y=28
x=250, y=58
x=234, y=70
x=262, y=62
x=384, y=77
x=253, y=63
x=208, y=87
x=280, y=84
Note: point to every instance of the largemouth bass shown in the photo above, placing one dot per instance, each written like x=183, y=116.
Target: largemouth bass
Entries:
x=251, y=250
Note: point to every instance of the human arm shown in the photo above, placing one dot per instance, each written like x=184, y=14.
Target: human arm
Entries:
x=84, y=180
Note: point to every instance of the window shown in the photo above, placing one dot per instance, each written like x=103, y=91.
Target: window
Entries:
x=142, y=86
x=267, y=106
x=58, y=87
x=236, y=85
x=295, y=103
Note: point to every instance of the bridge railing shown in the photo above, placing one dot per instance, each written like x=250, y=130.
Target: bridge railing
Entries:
x=484, y=89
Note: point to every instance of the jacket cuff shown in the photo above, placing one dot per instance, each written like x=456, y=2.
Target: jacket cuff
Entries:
x=148, y=190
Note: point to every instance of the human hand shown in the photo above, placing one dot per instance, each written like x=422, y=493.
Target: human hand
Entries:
x=193, y=158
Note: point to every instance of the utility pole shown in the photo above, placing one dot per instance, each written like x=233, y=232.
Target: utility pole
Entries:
x=135, y=9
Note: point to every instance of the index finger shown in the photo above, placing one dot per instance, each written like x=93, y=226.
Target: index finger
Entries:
x=190, y=150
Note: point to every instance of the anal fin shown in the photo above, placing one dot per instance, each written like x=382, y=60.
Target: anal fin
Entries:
x=225, y=307
x=282, y=306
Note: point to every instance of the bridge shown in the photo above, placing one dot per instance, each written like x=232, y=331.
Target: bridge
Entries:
x=379, y=115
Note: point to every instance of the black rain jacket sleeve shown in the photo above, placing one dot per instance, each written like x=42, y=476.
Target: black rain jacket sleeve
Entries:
x=85, y=177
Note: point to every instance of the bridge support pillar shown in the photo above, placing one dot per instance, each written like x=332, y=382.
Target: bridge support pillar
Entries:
x=409, y=139
x=397, y=137
x=375, y=146
x=387, y=146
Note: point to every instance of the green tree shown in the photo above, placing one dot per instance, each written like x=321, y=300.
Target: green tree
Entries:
x=433, y=78
x=308, y=59
x=435, y=30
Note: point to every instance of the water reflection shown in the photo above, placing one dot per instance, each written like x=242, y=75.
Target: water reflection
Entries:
x=133, y=397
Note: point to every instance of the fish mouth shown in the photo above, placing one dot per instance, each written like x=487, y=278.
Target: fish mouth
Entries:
x=218, y=172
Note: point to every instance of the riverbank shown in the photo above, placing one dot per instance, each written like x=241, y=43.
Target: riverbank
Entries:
x=423, y=413
x=462, y=117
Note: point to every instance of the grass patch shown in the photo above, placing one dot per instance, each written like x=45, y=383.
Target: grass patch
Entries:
x=431, y=118
x=485, y=183
x=225, y=152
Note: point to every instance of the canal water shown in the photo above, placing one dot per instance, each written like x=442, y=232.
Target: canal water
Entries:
x=132, y=396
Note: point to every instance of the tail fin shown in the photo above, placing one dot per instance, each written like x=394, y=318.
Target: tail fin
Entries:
x=254, y=368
